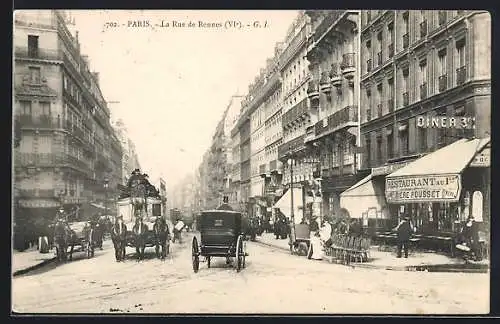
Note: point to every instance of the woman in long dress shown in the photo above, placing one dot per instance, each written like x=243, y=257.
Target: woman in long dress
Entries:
x=315, y=248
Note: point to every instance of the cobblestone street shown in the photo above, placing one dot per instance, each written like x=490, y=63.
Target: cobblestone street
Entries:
x=273, y=282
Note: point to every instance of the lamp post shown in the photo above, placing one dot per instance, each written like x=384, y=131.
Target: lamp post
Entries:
x=292, y=216
x=106, y=185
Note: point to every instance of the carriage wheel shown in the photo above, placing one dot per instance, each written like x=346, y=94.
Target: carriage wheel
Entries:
x=208, y=262
x=244, y=255
x=239, y=253
x=195, y=255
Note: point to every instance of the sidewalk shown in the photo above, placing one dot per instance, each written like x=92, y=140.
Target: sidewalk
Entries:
x=416, y=261
x=29, y=259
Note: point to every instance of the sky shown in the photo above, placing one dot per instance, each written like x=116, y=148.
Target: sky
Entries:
x=172, y=84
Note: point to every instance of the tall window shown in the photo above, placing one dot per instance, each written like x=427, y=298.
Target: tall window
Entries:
x=390, y=94
x=390, y=32
x=422, y=139
x=348, y=153
x=422, y=75
x=335, y=155
x=442, y=67
x=460, y=61
x=405, y=84
x=368, y=151
x=380, y=158
x=35, y=75
x=26, y=108
x=369, y=104
x=32, y=46
x=403, y=140
x=406, y=29
x=45, y=108
x=390, y=144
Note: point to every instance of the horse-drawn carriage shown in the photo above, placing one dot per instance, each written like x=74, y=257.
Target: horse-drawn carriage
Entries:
x=221, y=236
x=71, y=235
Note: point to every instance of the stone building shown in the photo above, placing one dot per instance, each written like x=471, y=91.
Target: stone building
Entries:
x=425, y=93
x=68, y=152
x=130, y=159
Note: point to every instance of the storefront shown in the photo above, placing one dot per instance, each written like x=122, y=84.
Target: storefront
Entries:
x=441, y=189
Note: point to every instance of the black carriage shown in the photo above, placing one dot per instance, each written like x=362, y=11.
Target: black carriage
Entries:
x=221, y=236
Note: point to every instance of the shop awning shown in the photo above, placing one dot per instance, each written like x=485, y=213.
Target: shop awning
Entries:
x=362, y=197
x=435, y=177
x=451, y=159
x=284, y=203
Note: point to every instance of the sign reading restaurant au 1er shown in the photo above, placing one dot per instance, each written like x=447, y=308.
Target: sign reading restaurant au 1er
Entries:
x=426, y=188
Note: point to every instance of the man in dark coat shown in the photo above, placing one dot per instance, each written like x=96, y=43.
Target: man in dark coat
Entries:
x=404, y=231
x=225, y=204
x=119, y=238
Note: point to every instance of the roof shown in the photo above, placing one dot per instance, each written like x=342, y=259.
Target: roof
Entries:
x=451, y=159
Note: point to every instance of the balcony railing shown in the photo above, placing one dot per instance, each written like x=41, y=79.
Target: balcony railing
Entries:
x=331, y=17
x=348, y=61
x=443, y=82
x=78, y=132
x=423, y=90
x=36, y=159
x=406, y=41
x=406, y=99
x=390, y=48
x=41, y=121
x=368, y=65
x=461, y=75
x=296, y=112
x=379, y=110
x=338, y=120
x=423, y=28
x=42, y=193
x=442, y=17
x=291, y=147
x=379, y=58
x=39, y=54
x=390, y=105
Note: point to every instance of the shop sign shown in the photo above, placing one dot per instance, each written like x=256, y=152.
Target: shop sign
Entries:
x=482, y=159
x=438, y=188
x=446, y=122
x=38, y=203
x=387, y=169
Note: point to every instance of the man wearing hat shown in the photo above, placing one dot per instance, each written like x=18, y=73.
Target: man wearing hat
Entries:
x=404, y=231
x=140, y=230
x=119, y=238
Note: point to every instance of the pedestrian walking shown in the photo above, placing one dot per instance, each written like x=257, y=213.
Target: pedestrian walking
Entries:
x=404, y=231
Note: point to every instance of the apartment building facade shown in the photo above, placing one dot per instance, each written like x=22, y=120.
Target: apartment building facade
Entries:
x=68, y=153
x=421, y=71
x=333, y=134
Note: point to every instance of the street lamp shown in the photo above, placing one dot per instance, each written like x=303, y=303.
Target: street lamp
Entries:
x=292, y=216
x=106, y=185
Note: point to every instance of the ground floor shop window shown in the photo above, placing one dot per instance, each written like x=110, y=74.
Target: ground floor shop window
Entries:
x=434, y=217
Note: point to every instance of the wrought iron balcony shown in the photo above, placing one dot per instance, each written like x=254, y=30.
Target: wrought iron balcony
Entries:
x=35, y=159
x=406, y=99
x=406, y=41
x=423, y=28
x=346, y=117
x=390, y=48
x=40, y=122
x=368, y=65
x=443, y=82
x=423, y=90
x=461, y=75
x=78, y=132
x=390, y=105
x=379, y=58
x=291, y=147
x=442, y=17
x=37, y=54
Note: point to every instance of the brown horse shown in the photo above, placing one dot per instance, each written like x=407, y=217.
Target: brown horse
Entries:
x=62, y=238
x=119, y=238
x=160, y=228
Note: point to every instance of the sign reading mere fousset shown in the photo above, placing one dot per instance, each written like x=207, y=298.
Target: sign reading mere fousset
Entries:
x=428, y=188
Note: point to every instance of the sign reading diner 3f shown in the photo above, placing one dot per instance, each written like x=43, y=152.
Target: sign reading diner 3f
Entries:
x=428, y=188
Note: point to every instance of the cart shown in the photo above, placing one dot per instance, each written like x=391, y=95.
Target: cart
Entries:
x=300, y=245
x=221, y=236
